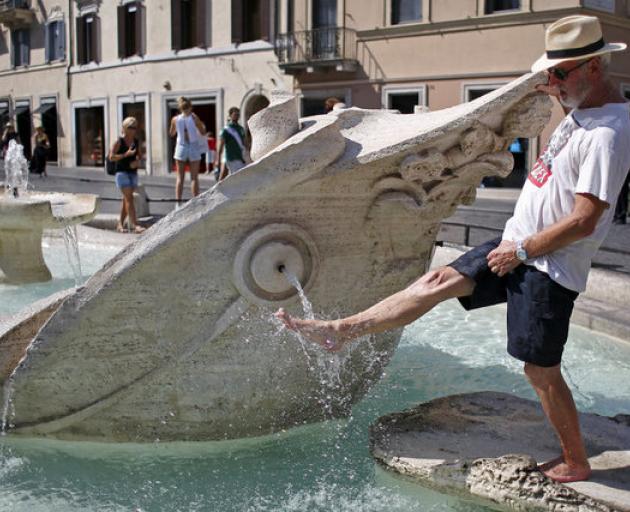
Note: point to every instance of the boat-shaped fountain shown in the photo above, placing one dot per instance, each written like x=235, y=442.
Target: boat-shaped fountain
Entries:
x=174, y=340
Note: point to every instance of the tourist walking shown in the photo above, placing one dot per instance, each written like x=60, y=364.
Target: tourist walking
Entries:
x=189, y=146
x=126, y=154
x=542, y=260
x=232, y=138
x=41, y=145
x=8, y=135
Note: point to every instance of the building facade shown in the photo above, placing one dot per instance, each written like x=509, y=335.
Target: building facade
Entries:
x=400, y=54
x=78, y=67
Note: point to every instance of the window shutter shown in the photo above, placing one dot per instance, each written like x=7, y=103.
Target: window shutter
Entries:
x=26, y=47
x=237, y=21
x=200, y=23
x=50, y=30
x=176, y=25
x=139, y=28
x=265, y=20
x=94, y=40
x=122, y=31
x=60, y=40
x=81, y=42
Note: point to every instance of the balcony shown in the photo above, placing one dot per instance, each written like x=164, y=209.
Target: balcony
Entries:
x=308, y=50
x=16, y=13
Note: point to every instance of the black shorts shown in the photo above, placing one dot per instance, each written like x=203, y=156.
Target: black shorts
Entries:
x=538, y=308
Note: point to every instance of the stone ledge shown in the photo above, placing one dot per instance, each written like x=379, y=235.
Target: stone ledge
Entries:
x=469, y=445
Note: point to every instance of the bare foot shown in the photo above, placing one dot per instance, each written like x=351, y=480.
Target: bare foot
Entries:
x=322, y=332
x=563, y=473
x=546, y=466
x=120, y=228
x=139, y=229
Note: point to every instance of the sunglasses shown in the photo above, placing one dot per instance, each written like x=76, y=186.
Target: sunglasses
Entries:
x=563, y=74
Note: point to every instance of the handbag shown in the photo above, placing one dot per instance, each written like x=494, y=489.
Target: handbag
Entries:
x=110, y=167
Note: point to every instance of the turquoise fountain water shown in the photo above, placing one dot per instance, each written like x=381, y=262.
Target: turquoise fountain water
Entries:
x=323, y=467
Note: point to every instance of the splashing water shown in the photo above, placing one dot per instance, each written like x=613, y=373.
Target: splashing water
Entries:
x=326, y=365
x=16, y=169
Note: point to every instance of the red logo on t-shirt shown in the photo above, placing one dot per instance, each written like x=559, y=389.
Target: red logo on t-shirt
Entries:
x=540, y=173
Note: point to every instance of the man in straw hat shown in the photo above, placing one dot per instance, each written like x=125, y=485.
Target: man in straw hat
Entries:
x=541, y=262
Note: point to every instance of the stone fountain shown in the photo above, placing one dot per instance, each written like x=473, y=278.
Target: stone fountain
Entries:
x=24, y=215
x=173, y=339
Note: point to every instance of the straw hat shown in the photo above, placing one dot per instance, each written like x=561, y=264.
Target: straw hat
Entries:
x=574, y=38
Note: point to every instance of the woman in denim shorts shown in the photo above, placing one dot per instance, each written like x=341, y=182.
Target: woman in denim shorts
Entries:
x=125, y=153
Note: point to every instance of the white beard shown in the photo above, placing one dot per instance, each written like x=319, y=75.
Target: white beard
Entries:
x=577, y=100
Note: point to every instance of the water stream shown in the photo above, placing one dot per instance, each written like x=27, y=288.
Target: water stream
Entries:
x=71, y=243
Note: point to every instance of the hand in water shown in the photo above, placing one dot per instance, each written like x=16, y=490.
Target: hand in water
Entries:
x=321, y=332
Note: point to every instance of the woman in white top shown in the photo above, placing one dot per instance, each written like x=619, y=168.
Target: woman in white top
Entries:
x=188, y=148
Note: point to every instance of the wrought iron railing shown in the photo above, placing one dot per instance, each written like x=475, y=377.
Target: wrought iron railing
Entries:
x=317, y=45
x=5, y=5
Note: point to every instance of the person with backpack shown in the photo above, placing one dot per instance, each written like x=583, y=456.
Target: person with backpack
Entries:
x=125, y=154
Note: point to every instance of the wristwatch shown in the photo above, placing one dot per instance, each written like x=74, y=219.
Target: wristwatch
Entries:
x=521, y=253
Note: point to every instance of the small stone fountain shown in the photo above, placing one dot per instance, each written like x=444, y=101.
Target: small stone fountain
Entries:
x=174, y=340
x=24, y=215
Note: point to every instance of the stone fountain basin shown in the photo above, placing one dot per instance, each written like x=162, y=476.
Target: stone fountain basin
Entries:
x=46, y=210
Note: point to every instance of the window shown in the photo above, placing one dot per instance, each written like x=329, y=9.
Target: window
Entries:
x=4, y=113
x=188, y=24
x=290, y=15
x=493, y=6
x=48, y=114
x=406, y=11
x=250, y=20
x=87, y=39
x=55, y=41
x=90, y=142
x=21, y=47
x=404, y=100
x=626, y=91
x=130, y=25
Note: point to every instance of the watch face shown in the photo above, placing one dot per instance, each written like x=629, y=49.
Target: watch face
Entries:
x=521, y=254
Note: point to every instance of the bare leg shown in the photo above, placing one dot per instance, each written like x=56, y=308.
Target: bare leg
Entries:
x=559, y=407
x=179, y=183
x=194, y=178
x=395, y=311
x=120, y=227
x=131, y=209
x=224, y=172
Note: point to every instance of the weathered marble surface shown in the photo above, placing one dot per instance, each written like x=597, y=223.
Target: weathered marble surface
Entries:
x=172, y=339
x=486, y=445
x=22, y=223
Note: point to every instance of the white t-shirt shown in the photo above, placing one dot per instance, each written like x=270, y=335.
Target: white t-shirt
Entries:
x=589, y=152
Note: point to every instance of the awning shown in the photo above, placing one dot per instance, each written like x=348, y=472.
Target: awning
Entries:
x=44, y=107
x=21, y=109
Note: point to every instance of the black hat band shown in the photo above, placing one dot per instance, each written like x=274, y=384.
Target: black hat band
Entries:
x=576, y=52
